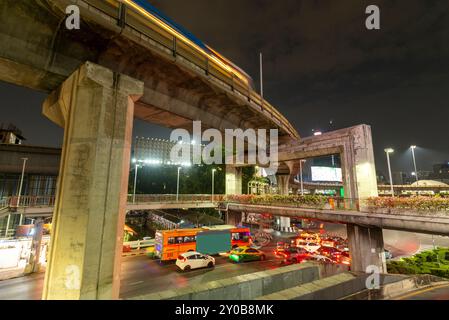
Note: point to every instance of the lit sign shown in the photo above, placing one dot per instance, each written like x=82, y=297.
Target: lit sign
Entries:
x=326, y=174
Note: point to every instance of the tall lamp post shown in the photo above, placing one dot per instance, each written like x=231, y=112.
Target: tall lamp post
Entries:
x=300, y=176
x=19, y=193
x=177, y=185
x=136, y=168
x=213, y=184
x=414, y=162
x=388, y=151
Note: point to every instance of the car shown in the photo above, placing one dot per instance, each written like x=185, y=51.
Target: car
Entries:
x=321, y=258
x=194, y=260
x=345, y=258
x=309, y=246
x=242, y=254
x=294, y=255
x=330, y=252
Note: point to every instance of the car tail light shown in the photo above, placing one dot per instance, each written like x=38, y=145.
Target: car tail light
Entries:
x=182, y=258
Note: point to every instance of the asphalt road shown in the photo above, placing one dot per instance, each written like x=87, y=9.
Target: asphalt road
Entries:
x=399, y=243
x=438, y=292
x=141, y=275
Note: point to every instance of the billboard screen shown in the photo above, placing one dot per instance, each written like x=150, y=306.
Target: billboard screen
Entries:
x=326, y=174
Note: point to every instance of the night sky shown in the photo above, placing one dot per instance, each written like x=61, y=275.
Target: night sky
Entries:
x=322, y=69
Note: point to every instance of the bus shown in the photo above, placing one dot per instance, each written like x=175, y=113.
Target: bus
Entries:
x=169, y=244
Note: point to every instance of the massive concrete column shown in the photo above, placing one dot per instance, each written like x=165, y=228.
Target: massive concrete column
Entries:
x=233, y=180
x=285, y=224
x=233, y=218
x=358, y=167
x=366, y=247
x=95, y=106
x=283, y=182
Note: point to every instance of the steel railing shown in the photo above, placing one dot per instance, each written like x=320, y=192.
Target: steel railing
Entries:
x=49, y=201
x=172, y=198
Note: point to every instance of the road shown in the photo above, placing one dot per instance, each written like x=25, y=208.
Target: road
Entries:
x=141, y=275
x=438, y=292
x=399, y=243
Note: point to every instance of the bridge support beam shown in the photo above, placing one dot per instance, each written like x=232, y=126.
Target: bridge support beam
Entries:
x=233, y=180
x=366, y=247
x=283, y=182
x=234, y=218
x=284, y=224
x=95, y=106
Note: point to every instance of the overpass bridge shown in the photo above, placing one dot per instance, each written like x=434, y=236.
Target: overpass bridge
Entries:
x=127, y=61
x=364, y=224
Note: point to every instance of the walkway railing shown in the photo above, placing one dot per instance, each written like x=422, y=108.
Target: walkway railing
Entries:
x=30, y=201
x=172, y=198
x=49, y=201
x=297, y=201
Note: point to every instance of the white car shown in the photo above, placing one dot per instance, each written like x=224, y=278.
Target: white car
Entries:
x=311, y=247
x=194, y=260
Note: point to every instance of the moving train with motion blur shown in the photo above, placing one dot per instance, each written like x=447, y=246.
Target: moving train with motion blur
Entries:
x=144, y=7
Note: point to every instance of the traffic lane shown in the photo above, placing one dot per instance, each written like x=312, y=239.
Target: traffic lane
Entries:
x=439, y=292
x=23, y=288
x=141, y=275
x=399, y=243
x=148, y=276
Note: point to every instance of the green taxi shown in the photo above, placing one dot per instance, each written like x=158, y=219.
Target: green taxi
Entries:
x=242, y=254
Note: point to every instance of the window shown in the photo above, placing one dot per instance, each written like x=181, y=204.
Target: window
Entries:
x=251, y=250
x=171, y=240
x=193, y=257
x=189, y=239
x=179, y=240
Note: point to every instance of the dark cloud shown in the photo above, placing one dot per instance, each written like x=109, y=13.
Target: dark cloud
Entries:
x=322, y=64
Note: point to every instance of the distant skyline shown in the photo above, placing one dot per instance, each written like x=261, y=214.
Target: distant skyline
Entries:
x=321, y=65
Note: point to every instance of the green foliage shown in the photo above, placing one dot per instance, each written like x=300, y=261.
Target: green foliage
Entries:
x=192, y=180
x=247, y=176
x=415, y=203
x=433, y=262
x=311, y=201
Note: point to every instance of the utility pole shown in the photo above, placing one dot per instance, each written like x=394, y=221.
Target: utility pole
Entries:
x=261, y=77
x=177, y=185
x=388, y=151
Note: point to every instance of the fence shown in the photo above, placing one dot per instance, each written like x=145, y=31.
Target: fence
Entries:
x=172, y=198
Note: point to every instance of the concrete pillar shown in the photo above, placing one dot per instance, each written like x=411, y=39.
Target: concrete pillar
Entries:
x=95, y=106
x=358, y=166
x=366, y=247
x=284, y=223
x=283, y=184
x=233, y=180
x=34, y=261
x=234, y=218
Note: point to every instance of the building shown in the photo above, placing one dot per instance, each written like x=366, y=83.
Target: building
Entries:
x=40, y=166
x=10, y=135
x=440, y=172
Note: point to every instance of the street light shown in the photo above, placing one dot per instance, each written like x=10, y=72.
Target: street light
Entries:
x=388, y=151
x=414, y=162
x=213, y=173
x=20, y=187
x=136, y=168
x=300, y=176
x=177, y=185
